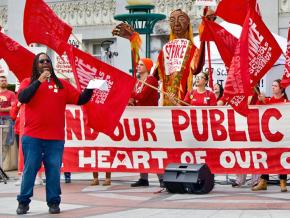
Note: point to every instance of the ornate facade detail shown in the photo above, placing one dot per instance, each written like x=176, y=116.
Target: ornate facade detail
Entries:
x=167, y=6
x=3, y=17
x=101, y=12
x=86, y=13
x=284, y=6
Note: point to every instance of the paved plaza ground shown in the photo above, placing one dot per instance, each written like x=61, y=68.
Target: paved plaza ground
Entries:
x=79, y=199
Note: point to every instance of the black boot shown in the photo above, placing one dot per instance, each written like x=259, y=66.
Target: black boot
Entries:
x=22, y=209
x=140, y=182
x=161, y=183
x=53, y=209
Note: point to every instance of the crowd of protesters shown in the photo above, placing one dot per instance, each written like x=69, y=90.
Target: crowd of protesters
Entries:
x=43, y=133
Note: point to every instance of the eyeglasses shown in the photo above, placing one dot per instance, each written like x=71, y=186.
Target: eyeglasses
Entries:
x=200, y=77
x=42, y=61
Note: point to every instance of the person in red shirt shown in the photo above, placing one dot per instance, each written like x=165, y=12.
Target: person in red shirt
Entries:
x=45, y=98
x=143, y=95
x=7, y=99
x=279, y=96
x=218, y=91
x=201, y=96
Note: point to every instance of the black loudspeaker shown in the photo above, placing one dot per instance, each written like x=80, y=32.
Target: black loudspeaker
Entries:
x=188, y=178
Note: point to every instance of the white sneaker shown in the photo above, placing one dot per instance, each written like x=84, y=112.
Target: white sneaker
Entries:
x=38, y=181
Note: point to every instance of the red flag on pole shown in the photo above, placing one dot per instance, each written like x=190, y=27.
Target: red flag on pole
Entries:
x=42, y=25
x=237, y=87
x=255, y=54
x=235, y=11
x=105, y=107
x=264, y=50
x=225, y=41
x=18, y=58
x=286, y=76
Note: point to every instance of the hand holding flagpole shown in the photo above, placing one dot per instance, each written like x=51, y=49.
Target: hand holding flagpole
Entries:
x=165, y=93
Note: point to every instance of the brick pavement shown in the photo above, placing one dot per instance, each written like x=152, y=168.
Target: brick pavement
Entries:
x=120, y=200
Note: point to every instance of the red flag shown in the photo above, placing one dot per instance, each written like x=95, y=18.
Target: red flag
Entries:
x=264, y=50
x=225, y=41
x=286, y=76
x=105, y=107
x=237, y=87
x=255, y=54
x=235, y=11
x=42, y=25
x=18, y=58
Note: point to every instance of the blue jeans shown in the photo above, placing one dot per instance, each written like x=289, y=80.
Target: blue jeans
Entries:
x=6, y=120
x=36, y=151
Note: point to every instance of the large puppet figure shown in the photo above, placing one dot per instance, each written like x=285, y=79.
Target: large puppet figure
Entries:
x=178, y=60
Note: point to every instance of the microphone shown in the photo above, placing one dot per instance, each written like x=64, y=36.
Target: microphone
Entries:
x=48, y=79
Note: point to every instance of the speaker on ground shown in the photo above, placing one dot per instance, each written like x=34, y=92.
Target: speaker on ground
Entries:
x=188, y=178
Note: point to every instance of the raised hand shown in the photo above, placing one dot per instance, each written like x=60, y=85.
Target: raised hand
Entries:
x=123, y=30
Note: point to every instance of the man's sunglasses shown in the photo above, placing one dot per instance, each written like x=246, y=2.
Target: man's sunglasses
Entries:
x=42, y=61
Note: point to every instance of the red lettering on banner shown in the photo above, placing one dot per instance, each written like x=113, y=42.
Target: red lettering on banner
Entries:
x=254, y=126
x=194, y=127
x=148, y=129
x=90, y=134
x=175, y=49
x=233, y=133
x=269, y=113
x=167, y=51
x=180, y=122
x=218, y=131
x=73, y=124
x=136, y=128
x=119, y=135
x=176, y=125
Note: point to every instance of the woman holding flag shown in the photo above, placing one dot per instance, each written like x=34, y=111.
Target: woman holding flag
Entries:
x=144, y=95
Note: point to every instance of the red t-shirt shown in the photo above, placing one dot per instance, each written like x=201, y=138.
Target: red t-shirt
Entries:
x=14, y=114
x=206, y=98
x=273, y=100
x=145, y=95
x=7, y=98
x=45, y=112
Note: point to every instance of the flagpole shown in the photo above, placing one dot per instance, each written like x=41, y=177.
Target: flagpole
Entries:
x=209, y=65
x=165, y=93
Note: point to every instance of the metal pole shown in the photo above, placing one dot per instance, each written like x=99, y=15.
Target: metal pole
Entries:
x=148, y=45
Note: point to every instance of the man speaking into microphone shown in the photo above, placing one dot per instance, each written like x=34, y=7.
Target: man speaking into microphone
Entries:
x=45, y=97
